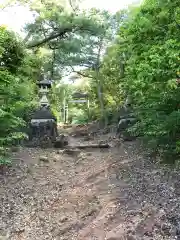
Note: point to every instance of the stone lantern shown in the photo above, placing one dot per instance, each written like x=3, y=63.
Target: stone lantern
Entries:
x=44, y=87
x=43, y=122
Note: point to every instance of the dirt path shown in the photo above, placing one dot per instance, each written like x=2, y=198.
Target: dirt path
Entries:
x=111, y=194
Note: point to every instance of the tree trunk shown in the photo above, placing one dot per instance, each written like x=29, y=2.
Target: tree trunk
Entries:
x=99, y=85
x=101, y=101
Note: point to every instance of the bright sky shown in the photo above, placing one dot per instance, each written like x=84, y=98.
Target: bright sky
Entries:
x=15, y=18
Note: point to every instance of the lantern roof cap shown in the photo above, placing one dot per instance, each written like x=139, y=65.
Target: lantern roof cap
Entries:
x=43, y=113
x=44, y=82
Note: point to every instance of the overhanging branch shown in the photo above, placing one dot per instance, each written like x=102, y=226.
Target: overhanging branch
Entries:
x=60, y=34
x=80, y=73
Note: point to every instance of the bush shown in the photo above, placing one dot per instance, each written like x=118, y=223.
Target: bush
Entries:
x=148, y=46
x=17, y=89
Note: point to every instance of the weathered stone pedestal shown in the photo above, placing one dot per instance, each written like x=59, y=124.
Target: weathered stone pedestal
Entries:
x=126, y=120
x=43, y=128
x=61, y=141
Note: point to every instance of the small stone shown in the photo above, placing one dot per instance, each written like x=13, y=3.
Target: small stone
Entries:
x=88, y=138
x=149, y=234
x=44, y=183
x=63, y=219
x=88, y=154
x=42, y=218
x=166, y=228
x=60, y=152
x=43, y=159
x=130, y=237
x=61, y=141
x=71, y=151
x=20, y=230
x=15, y=149
x=82, y=155
x=130, y=231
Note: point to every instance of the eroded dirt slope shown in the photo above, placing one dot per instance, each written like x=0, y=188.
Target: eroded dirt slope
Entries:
x=91, y=194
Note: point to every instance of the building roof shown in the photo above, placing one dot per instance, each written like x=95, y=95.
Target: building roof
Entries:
x=79, y=95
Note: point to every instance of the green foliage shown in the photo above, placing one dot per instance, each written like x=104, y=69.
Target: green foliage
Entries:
x=17, y=89
x=144, y=62
x=54, y=24
x=141, y=62
x=72, y=39
x=11, y=53
x=5, y=161
x=79, y=117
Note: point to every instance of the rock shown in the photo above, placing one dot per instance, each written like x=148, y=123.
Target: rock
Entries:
x=71, y=151
x=60, y=152
x=126, y=120
x=20, y=230
x=103, y=142
x=125, y=123
x=88, y=154
x=43, y=159
x=166, y=228
x=14, y=149
x=44, y=183
x=63, y=219
x=82, y=155
x=88, y=138
x=148, y=234
x=130, y=237
x=61, y=141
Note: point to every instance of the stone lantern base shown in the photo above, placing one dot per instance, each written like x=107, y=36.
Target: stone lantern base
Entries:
x=43, y=134
x=43, y=128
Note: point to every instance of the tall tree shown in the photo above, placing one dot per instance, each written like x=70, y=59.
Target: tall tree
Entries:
x=18, y=73
x=148, y=46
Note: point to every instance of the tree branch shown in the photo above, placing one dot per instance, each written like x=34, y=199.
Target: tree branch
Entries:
x=45, y=36
x=73, y=8
x=80, y=73
x=51, y=37
x=60, y=34
x=83, y=75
